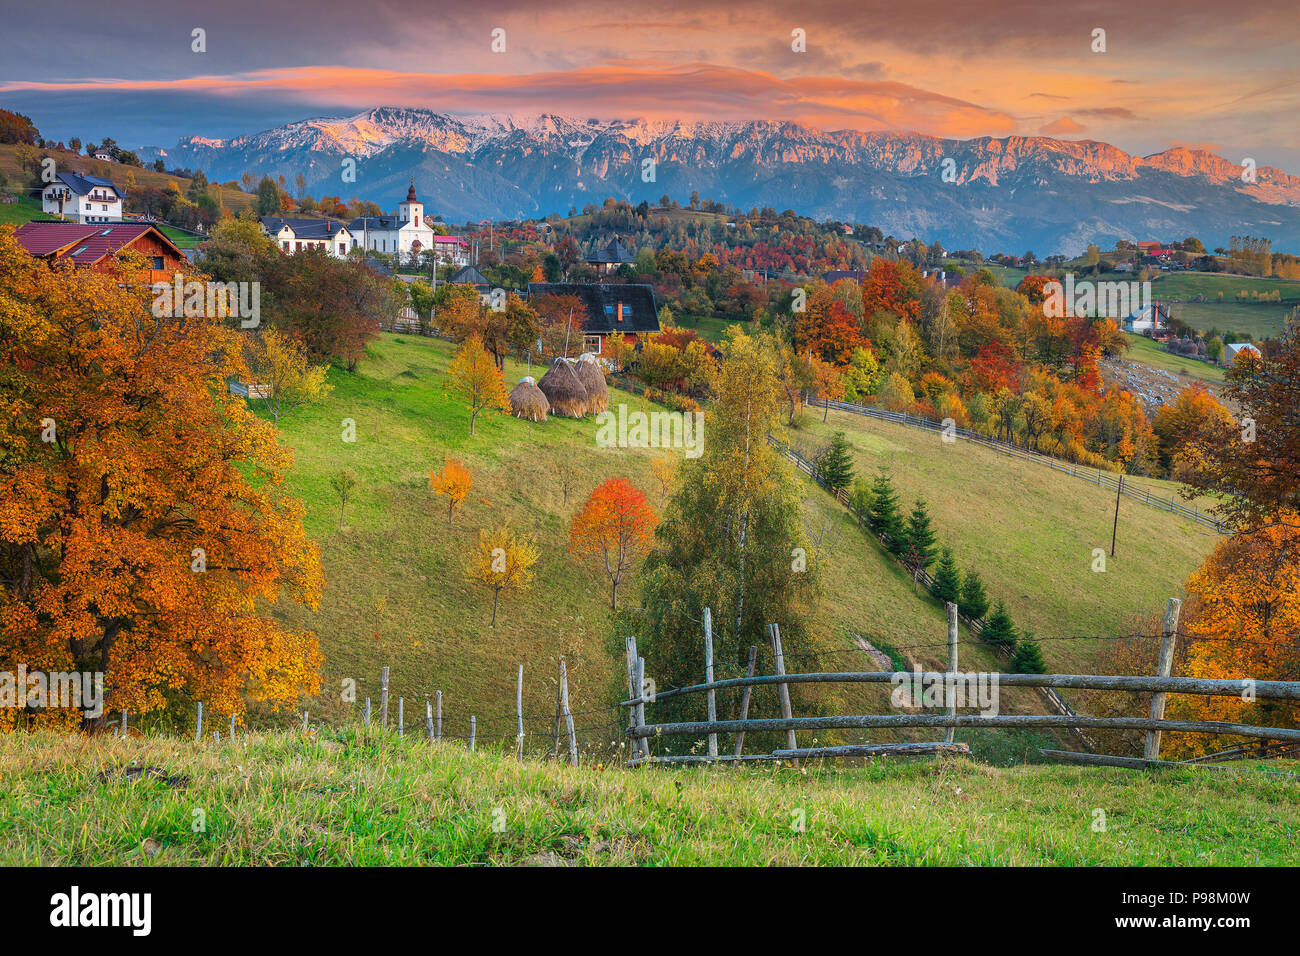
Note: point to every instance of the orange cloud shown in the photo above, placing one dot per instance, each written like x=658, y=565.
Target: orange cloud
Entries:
x=1064, y=125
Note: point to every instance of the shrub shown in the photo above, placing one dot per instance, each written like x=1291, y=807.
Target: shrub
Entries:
x=1028, y=658
x=998, y=630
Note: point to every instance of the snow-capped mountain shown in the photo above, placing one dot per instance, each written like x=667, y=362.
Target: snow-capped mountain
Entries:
x=1006, y=194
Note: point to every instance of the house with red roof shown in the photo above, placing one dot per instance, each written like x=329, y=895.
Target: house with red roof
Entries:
x=96, y=245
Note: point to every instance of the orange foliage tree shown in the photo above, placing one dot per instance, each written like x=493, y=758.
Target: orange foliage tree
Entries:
x=614, y=526
x=454, y=481
x=476, y=378
x=1244, y=622
x=144, y=520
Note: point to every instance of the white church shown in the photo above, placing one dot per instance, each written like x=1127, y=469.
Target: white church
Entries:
x=407, y=234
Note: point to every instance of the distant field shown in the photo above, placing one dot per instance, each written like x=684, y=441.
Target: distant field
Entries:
x=1261, y=320
x=1184, y=285
x=709, y=328
x=1144, y=350
x=351, y=799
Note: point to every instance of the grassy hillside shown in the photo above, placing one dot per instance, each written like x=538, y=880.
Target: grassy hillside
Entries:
x=345, y=799
x=1031, y=531
x=395, y=591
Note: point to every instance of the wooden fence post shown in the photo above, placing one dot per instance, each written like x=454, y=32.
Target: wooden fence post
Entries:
x=744, y=697
x=304, y=721
x=708, y=679
x=473, y=730
x=1164, y=666
x=383, y=698
x=951, y=692
x=559, y=712
x=634, y=691
x=367, y=714
x=401, y=717
x=568, y=714
x=638, y=671
x=428, y=719
x=198, y=725
x=123, y=723
x=232, y=726
x=519, y=715
x=783, y=688
x=437, y=726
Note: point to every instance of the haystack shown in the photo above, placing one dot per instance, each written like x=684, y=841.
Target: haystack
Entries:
x=528, y=401
x=593, y=380
x=564, y=390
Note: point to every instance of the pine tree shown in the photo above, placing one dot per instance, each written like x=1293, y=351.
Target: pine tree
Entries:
x=836, y=465
x=947, y=581
x=920, y=536
x=974, y=602
x=998, y=629
x=884, y=516
x=1028, y=658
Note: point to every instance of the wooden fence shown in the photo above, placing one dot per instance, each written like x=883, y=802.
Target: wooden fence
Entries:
x=643, y=733
x=1095, y=476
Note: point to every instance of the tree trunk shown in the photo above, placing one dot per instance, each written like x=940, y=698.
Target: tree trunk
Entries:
x=472, y=416
x=343, y=506
x=613, y=598
x=496, y=595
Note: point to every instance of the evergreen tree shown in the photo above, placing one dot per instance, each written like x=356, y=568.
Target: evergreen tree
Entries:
x=947, y=581
x=1028, y=658
x=836, y=465
x=884, y=516
x=920, y=536
x=998, y=629
x=974, y=602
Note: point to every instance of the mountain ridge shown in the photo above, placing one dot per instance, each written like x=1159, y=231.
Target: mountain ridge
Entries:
x=506, y=166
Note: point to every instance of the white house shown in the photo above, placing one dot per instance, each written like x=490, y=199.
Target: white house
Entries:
x=1230, y=352
x=294, y=235
x=82, y=199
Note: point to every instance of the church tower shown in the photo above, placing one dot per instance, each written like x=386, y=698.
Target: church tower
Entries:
x=412, y=210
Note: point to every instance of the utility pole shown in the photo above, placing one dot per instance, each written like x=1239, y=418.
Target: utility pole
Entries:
x=1119, y=490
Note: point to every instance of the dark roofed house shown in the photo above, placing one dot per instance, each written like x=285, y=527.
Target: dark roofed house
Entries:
x=94, y=246
x=468, y=275
x=835, y=275
x=610, y=308
x=608, y=259
x=82, y=199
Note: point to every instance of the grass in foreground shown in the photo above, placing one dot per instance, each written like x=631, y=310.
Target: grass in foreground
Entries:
x=287, y=800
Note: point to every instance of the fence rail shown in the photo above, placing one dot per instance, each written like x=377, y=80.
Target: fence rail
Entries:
x=1095, y=476
x=642, y=733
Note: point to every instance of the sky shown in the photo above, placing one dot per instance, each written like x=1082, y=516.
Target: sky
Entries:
x=1191, y=73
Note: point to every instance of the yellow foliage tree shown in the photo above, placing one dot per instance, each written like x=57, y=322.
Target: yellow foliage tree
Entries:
x=476, y=379
x=279, y=365
x=664, y=471
x=502, y=561
x=454, y=481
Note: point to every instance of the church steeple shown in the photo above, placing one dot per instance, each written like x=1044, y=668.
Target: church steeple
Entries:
x=412, y=210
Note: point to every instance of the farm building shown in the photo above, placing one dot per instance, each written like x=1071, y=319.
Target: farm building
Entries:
x=95, y=246
x=1149, y=320
x=82, y=199
x=1230, y=352
x=610, y=308
x=609, y=258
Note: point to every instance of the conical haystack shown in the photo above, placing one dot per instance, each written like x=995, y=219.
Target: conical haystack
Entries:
x=528, y=401
x=593, y=380
x=564, y=390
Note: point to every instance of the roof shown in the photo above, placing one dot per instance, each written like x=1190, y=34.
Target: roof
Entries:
x=835, y=275
x=602, y=302
x=470, y=275
x=612, y=253
x=303, y=228
x=377, y=222
x=86, y=243
x=82, y=185
x=1236, y=347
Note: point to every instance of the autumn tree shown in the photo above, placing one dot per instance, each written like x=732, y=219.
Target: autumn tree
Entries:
x=827, y=383
x=664, y=471
x=614, y=527
x=474, y=376
x=502, y=561
x=279, y=365
x=145, y=525
x=454, y=481
x=1195, y=412
x=1257, y=460
x=343, y=482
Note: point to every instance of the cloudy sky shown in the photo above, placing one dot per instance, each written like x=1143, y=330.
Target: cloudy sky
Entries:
x=1194, y=73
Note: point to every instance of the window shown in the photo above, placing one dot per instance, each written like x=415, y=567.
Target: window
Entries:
x=343, y=248
x=286, y=245
x=591, y=343
x=158, y=263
